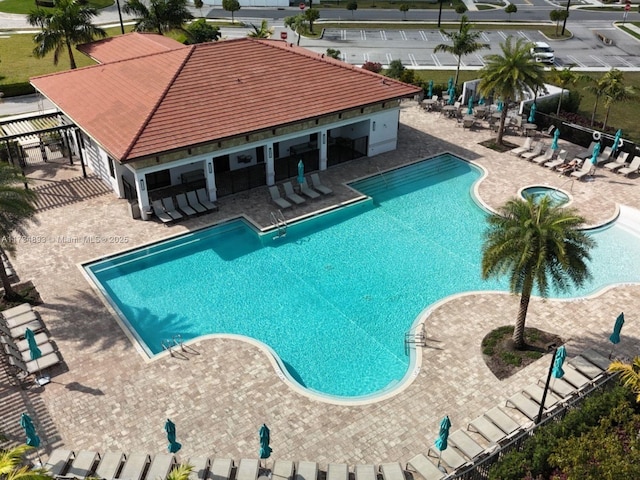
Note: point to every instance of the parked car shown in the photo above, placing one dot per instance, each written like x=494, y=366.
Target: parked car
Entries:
x=542, y=52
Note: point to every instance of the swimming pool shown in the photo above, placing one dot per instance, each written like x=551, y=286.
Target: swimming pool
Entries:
x=334, y=298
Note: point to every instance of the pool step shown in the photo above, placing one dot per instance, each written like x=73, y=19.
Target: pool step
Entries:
x=407, y=175
x=629, y=220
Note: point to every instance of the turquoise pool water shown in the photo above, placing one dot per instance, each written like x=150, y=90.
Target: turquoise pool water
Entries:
x=556, y=196
x=333, y=298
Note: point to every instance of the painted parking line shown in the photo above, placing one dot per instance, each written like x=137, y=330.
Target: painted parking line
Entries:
x=443, y=36
x=365, y=57
x=575, y=61
x=624, y=62
x=423, y=36
x=480, y=59
x=412, y=59
x=436, y=61
x=524, y=35
x=383, y=35
x=389, y=58
x=503, y=35
x=403, y=35
x=343, y=34
x=485, y=37
x=597, y=59
x=363, y=34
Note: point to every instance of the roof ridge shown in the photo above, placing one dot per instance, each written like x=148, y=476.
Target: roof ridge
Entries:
x=158, y=103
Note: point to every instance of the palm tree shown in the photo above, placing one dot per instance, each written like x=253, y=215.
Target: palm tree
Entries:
x=537, y=245
x=11, y=467
x=17, y=208
x=297, y=24
x=629, y=374
x=66, y=25
x=181, y=472
x=464, y=41
x=508, y=75
x=564, y=78
x=597, y=87
x=160, y=16
x=263, y=31
x=615, y=91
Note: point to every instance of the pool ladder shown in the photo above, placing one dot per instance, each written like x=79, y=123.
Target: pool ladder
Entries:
x=418, y=339
x=383, y=177
x=278, y=221
x=175, y=341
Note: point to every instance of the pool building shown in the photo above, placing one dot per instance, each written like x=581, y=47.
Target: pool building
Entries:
x=159, y=118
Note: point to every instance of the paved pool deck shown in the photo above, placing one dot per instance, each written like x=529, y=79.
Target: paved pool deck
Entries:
x=107, y=397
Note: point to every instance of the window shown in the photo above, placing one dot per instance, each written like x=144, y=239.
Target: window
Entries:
x=112, y=168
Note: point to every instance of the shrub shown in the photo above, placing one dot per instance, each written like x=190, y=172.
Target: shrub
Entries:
x=374, y=67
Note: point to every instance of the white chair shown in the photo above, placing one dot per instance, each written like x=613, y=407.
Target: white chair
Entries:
x=221, y=469
x=316, y=184
x=619, y=162
x=291, y=195
x=109, y=465
x=306, y=471
x=277, y=199
x=170, y=208
x=194, y=203
x=203, y=198
x=183, y=205
x=158, y=210
x=306, y=190
x=632, y=168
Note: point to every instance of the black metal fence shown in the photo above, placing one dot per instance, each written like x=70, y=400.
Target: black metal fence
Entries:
x=479, y=470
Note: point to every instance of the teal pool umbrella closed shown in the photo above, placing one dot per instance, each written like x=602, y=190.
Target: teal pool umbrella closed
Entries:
x=615, y=336
x=532, y=114
x=470, y=106
x=555, y=371
x=499, y=109
x=300, y=172
x=450, y=83
x=452, y=95
x=596, y=152
x=430, y=89
x=561, y=354
x=265, y=449
x=443, y=436
x=170, y=428
x=30, y=430
x=481, y=101
x=35, y=354
x=616, y=141
x=556, y=137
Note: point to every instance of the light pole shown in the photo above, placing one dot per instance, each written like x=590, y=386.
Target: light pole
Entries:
x=120, y=17
x=555, y=370
x=440, y=13
x=564, y=23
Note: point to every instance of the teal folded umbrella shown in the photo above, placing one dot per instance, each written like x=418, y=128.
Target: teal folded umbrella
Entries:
x=265, y=449
x=300, y=172
x=615, y=336
x=430, y=89
x=470, y=106
x=532, y=114
x=596, y=152
x=170, y=428
x=558, y=361
x=616, y=141
x=556, y=137
x=30, y=430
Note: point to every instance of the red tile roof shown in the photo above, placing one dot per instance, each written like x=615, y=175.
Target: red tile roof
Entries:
x=131, y=45
x=207, y=92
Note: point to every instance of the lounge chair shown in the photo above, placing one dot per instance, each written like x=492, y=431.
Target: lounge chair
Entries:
x=337, y=471
x=535, y=392
x=544, y=158
x=585, y=367
x=58, y=461
x=575, y=378
x=17, y=310
x=365, y=472
x=17, y=333
x=487, y=429
x=109, y=465
x=19, y=320
x=306, y=471
x=10, y=348
x=560, y=159
x=467, y=445
x=135, y=466
x=34, y=366
x=559, y=387
x=524, y=404
x=248, y=469
x=632, y=168
x=200, y=469
x=586, y=169
x=170, y=208
x=291, y=195
x=192, y=198
x=40, y=338
x=161, y=465
x=596, y=358
x=158, y=210
x=524, y=148
x=448, y=456
x=549, y=131
x=535, y=151
x=392, y=471
x=619, y=162
x=604, y=156
x=220, y=469
x=183, y=205
x=503, y=421
x=282, y=470
x=309, y=192
x=83, y=464
x=316, y=184
x=277, y=199
x=203, y=198
x=425, y=468
x=588, y=152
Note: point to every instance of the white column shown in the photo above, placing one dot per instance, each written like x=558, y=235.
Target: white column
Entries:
x=211, y=180
x=143, y=195
x=323, y=150
x=269, y=164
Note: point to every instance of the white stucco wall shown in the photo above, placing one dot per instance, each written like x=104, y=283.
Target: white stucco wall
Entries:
x=383, y=132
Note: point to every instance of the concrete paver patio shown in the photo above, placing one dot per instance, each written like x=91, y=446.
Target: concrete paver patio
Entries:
x=107, y=397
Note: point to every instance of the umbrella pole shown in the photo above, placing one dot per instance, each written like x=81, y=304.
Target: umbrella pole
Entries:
x=41, y=379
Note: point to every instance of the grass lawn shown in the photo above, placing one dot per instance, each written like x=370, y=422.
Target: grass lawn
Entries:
x=25, y=6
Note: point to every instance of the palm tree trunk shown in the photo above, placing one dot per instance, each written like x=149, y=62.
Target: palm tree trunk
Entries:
x=518, y=331
x=503, y=117
x=606, y=117
x=595, y=107
x=455, y=83
x=72, y=61
x=9, y=293
x=560, y=102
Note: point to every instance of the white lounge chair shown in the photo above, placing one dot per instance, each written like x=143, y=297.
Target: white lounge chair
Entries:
x=220, y=469
x=160, y=467
x=560, y=159
x=316, y=184
x=135, y=466
x=248, y=469
x=17, y=333
x=632, y=168
x=524, y=404
x=575, y=378
x=586, y=169
x=596, y=358
x=559, y=387
x=619, y=162
x=337, y=471
x=291, y=195
x=535, y=151
x=40, y=338
x=544, y=158
x=170, y=208
x=425, y=468
x=306, y=190
x=365, y=472
x=10, y=348
x=392, y=471
x=203, y=198
x=200, y=469
x=158, y=210
x=192, y=198
x=58, y=461
x=306, y=471
x=503, y=421
x=487, y=429
x=467, y=445
x=83, y=464
x=17, y=310
x=277, y=199
x=604, y=156
x=448, y=456
x=588, y=152
x=34, y=366
x=535, y=392
x=282, y=470
x=19, y=320
x=585, y=367
x=524, y=148
x=109, y=465
x=183, y=205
